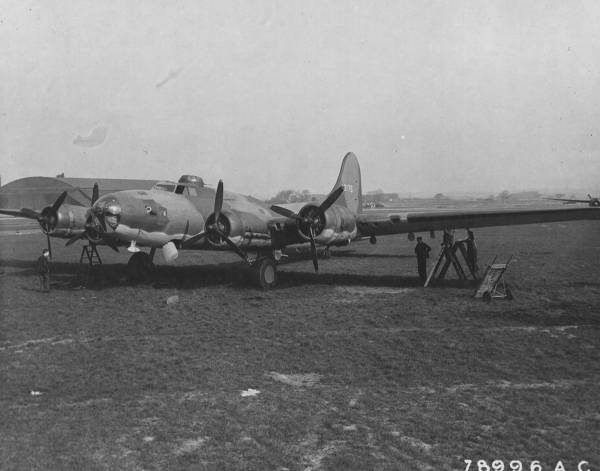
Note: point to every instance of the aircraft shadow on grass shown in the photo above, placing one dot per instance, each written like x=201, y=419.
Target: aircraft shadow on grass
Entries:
x=66, y=276
x=352, y=254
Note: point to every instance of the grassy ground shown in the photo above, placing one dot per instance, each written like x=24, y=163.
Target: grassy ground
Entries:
x=356, y=368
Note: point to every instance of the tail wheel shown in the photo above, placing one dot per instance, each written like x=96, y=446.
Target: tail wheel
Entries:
x=265, y=273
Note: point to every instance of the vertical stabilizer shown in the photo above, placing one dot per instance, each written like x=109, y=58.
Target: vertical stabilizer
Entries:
x=349, y=178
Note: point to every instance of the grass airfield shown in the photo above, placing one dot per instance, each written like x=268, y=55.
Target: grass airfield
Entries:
x=356, y=368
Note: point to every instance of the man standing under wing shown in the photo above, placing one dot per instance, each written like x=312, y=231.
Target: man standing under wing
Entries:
x=422, y=250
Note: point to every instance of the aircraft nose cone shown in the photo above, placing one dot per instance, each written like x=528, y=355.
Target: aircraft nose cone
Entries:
x=113, y=208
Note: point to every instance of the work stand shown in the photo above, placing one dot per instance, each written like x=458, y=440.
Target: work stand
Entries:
x=449, y=256
x=90, y=252
x=86, y=270
x=493, y=285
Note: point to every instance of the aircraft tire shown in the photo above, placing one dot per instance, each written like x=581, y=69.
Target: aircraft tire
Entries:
x=487, y=297
x=325, y=253
x=139, y=266
x=265, y=273
x=509, y=294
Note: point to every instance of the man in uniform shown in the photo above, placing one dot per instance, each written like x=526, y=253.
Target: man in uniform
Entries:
x=422, y=250
x=43, y=269
x=471, y=251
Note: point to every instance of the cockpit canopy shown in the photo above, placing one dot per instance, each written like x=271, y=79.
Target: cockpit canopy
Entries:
x=165, y=186
x=187, y=185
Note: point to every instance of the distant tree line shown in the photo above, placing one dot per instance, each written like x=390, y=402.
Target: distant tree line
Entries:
x=292, y=196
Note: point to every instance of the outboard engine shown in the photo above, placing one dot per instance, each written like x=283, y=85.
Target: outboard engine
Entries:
x=336, y=226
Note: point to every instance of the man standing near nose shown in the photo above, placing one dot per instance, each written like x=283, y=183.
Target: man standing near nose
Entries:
x=43, y=269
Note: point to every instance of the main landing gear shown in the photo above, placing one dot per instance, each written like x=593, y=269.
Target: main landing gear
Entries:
x=264, y=272
x=140, y=265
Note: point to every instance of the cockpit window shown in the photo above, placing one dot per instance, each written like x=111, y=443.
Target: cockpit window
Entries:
x=165, y=187
x=192, y=191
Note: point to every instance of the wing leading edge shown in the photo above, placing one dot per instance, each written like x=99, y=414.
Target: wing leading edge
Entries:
x=398, y=223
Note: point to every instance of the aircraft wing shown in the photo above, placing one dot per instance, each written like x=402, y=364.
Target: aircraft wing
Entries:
x=381, y=223
x=567, y=200
x=14, y=212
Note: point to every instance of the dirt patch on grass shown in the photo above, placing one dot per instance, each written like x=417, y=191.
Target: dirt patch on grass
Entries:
x=190, y=445
x=296, y=380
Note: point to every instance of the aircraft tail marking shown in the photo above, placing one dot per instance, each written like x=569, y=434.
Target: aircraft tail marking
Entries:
x=349, y=178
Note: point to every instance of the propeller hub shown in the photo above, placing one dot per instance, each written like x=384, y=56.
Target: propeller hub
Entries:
x=48, y=219
x=216, y=231
x=312, y=220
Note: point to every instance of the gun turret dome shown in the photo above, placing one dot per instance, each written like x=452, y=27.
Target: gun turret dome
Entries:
x=192, y=179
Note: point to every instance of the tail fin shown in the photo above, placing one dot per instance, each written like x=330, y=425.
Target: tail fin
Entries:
x=349, y=178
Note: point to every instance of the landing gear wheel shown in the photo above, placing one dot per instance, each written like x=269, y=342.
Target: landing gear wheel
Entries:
x=509, y=294
x=487, y=297
x=264, y=273
x=325, y=253
x=139, y=266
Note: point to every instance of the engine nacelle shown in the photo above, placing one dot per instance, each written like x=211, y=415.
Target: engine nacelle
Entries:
x=68, y=219
x=244, y=229
x=336, y=227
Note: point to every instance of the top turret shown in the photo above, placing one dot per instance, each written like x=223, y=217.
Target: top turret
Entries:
x=192, y=179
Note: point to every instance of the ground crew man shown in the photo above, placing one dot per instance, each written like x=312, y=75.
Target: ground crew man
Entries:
x=471, y=251
x=422, y=250
x=43, y=269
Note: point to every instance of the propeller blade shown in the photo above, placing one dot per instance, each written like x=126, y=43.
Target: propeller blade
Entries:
x=95, y=193
x=332, y=198
x=100, y=219
x=59, y=201
x=49, y=244
x=192, y=240
x=30, y=213
x=313, y=250
x=218, y=201
x=286, y=212
x=233, y=247
x=75, y=238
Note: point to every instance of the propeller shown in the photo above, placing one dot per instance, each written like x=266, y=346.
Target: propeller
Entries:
x=217, y=228
x=311, y=220
x=47, y=218
x=95, y=226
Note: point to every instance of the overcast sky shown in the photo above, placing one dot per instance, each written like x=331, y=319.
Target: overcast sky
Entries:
x=431, y=95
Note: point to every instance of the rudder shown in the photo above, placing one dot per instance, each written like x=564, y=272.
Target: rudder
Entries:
x=349, y=178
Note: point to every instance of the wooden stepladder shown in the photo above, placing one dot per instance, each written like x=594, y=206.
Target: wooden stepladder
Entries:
x=448, y=256
x=492, y=284
x=90, y=253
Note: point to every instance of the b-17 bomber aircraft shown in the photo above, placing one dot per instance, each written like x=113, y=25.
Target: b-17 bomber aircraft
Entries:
x=189, y=215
